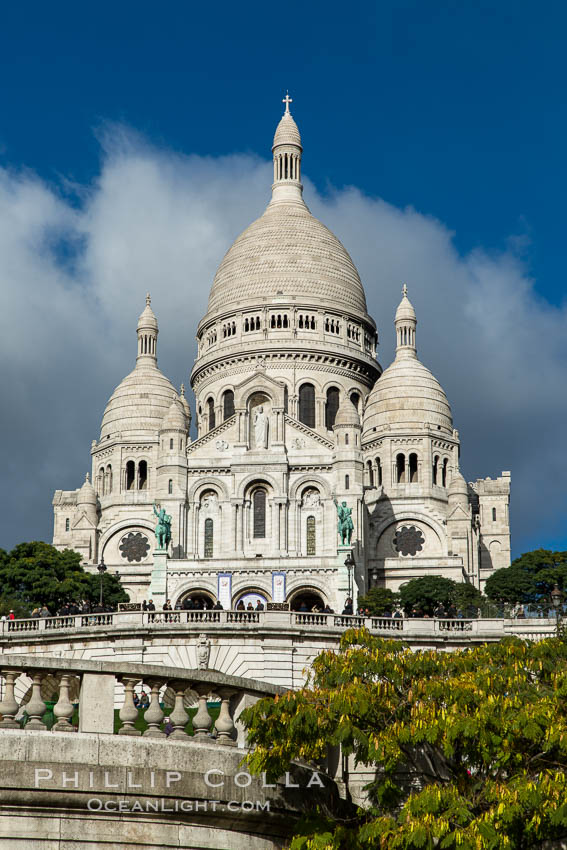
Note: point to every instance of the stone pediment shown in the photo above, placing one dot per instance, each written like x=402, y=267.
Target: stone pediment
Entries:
x=83, y=523
x=216, y=443
x=458, y=512
x=259, y=382
x=299, y=437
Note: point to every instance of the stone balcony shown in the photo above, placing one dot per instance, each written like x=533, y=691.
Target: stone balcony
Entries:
x=125, y=788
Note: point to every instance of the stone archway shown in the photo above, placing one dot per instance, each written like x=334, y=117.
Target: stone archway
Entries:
x=304, y=599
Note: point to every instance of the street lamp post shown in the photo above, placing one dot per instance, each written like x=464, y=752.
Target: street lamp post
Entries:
x=101, y=569
x=349, y=564
x=375, y=578
x=557, y=599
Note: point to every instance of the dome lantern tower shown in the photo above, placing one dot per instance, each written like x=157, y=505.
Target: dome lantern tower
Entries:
x=287, y=151
x=147, y=334
x=405, y=322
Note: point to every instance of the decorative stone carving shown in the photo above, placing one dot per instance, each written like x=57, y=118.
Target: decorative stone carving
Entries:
x=203, y=652
x=221, y=445
x=311, y=499
x=298, y=443
x=134, y=547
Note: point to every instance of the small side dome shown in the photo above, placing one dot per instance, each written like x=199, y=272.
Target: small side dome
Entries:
x=458, y=491
x=185, y=404
x=86, y=495
x=347, y=414
x=175, y=418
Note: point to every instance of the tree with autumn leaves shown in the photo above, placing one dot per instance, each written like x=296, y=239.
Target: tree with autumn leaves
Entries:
x=482, y=732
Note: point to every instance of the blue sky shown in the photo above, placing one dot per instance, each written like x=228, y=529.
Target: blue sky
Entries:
x=453, y=109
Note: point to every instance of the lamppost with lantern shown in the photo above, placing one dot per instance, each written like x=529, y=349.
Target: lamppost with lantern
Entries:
x=101, y=569
x=349, y=564
x=557, y=599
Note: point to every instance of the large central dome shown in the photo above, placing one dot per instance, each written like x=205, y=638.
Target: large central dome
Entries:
x=288, y=252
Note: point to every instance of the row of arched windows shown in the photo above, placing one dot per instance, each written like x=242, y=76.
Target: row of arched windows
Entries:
x=104, y=480
x=227, y=409
x=407, y=470
x=286, y=167
x=137, y=481
x=279, y=321
x=406, y=336
x=229, y=329
x=307, y=323
x=332, y=326
x=439, y=471
x=370, y=468
x=252, y=323
x=353, y=333
x=212, y=337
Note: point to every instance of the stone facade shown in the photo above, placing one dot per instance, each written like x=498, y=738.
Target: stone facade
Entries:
x=292, y=412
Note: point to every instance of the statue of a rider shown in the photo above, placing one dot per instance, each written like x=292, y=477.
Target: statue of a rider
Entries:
x=345, y=525
x=163, y=527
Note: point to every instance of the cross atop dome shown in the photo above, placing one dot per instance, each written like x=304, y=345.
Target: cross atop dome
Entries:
x=405, y=291
x=148, y=299
x=287, y=100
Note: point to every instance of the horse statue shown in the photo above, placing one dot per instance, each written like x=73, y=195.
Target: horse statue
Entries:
x=163, y=528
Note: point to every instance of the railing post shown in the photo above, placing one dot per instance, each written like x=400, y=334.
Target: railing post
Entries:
x=36, y=707
x=202, y=721
x=9, y=707
x=224, y=723
x=96, y=703
x=128, y=713
x=179, y=716
x=63, y=709
x=154, y=714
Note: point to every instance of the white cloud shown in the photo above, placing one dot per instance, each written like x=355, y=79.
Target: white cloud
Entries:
x=74, y=271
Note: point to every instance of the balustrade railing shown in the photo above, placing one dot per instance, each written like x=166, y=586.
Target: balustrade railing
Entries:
x=96, y=682
x=219, y=617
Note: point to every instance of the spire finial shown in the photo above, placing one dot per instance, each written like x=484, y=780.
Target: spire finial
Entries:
x=182, y=392
x=287, y=100
x=87, y=478
x=404, y=291
x=148, y=299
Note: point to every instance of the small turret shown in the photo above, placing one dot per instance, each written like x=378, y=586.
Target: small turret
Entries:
x=147, y=334
x=287, y=151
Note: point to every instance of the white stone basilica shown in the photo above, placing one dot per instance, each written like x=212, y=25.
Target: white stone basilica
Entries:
x=292, y=411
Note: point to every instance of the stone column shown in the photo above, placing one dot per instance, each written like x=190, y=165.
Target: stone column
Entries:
x=129, y=713
x=9, y=707
x=63, y=709
x=36, y=706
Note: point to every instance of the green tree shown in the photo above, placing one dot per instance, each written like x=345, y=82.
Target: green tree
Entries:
x=35, y=574
x=529, y=578
x=378, y=600
x=426, y=593
x=482, y=730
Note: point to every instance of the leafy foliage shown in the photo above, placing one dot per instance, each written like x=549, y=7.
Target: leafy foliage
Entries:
x=427, y=592
x=484, y=730
x=530, y=578
x=378, y=600
x=35, y=574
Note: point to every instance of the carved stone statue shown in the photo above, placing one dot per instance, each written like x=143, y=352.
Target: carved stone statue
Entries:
x=203, y=652
x=163, y=528
x=311, y=499
x=260, y=428
x=345, y=525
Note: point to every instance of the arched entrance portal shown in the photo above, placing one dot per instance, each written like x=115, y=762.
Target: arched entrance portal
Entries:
x=306, y=599
x=196, y=599
x=250, y=597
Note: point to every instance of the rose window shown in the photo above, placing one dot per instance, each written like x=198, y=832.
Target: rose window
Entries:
x=408, y=540
x=134, y=547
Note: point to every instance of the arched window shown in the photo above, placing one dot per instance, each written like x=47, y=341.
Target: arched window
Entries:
x=355, y=398
x=259, y=510
x=413, y=476
x=347, y=482
x=108, y=480
x=400, y=469
x=170, y=486
x=311, y=537
x=208, y=538
x=142, y=475
x=67, y=524
x=444, y=472
x=493, y=515
x=228, y=404
x=211, y=414
x=370, y=474
x=130, y=475
x=331, y=407
x=257, y=323
x=171, y=444
x=435, y=468
x=379, y=471
x=286, y=399
x=346, y=439
x=307, y=405
x=101, y=481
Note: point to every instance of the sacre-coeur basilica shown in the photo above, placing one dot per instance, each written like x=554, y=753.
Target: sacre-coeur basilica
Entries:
x=294, y=416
